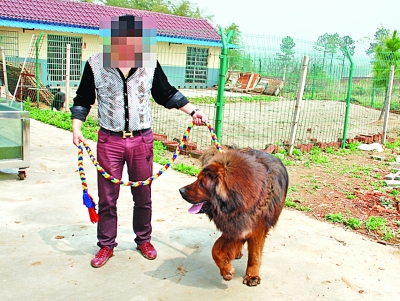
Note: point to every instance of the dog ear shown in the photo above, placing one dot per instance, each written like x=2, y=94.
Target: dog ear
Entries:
x=213, y=171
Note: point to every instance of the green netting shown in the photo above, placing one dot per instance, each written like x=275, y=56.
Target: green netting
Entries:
x=261, y=90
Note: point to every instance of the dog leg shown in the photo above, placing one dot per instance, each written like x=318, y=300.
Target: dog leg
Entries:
x=255, y=245
x=239, y=253
x=223, y=252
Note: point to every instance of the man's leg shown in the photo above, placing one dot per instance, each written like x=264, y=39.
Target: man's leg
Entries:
x=110, y=154
x=139, y=158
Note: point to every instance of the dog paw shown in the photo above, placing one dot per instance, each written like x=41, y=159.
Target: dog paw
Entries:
x=228, y=275
x=251, y=280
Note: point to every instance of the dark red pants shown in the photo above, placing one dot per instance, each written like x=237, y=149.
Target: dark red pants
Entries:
x=112, y=153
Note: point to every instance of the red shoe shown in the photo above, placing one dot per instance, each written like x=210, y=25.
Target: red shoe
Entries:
x=101, y=257
x=148, y=250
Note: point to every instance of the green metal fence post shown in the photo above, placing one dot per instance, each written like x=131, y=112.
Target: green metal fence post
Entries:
x=223, y=68
x=37, y=69
x=313, y=81
x=349, y=89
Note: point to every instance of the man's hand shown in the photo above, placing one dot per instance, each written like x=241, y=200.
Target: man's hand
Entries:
x=199, y=118
x=77, y=136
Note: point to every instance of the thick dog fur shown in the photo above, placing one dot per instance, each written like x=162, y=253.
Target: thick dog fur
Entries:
x=243, y=192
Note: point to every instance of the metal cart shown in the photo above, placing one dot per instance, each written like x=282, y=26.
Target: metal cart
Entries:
x=14, y=136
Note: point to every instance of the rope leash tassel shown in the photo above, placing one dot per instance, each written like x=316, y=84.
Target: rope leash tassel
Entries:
x=88, y=199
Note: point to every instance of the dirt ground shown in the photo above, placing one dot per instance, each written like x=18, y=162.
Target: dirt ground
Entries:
x=348, y=185
x=256, y=124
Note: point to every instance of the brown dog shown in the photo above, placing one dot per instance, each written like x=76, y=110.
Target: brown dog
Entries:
x=243, y=192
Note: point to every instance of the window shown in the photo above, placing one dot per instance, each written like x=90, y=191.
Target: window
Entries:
x=56, y=57
x=9, y=43
x=196, y=65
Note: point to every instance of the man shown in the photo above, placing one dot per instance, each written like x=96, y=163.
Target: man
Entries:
x=123, y=77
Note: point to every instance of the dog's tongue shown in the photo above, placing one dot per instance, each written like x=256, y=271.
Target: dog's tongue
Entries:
x=195, y=208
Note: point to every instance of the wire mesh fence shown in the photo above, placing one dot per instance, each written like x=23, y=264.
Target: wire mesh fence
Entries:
x=262, y=83
x=259, y=89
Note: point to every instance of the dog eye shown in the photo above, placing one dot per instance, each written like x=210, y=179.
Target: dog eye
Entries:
x=201, y=185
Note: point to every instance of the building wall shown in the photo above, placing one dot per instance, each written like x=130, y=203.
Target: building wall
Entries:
x=171, y=56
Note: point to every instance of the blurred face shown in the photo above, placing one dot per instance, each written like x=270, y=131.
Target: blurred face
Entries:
x=128, y=42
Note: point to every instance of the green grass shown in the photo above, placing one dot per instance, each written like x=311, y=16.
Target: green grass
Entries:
x=351, y=196
x=388, y=234
x=186, y=169
x=354, y=223
x=63, y=121
x=282, y=155
x=303, y=208
x=90, y=128
x=291, y=204
x=386, y=203
x=395, y=192
x=159, y=151
x=356, y=171
x=317, y=157
x=394, y=145
x=374, y=223
x=334, y=217
x=353, y=147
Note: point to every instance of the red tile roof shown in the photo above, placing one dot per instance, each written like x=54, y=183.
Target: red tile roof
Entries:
x=86, y=15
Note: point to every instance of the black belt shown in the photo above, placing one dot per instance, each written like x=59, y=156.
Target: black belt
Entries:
x=125, y=134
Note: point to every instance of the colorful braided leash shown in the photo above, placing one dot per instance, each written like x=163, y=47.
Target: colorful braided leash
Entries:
x=88, y=199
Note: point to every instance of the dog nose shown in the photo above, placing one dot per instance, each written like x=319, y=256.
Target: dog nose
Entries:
x=182, y=191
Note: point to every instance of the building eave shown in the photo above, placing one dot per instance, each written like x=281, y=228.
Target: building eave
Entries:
x=95, y=31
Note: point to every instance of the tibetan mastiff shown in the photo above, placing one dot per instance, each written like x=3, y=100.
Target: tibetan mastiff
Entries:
x=243, y=191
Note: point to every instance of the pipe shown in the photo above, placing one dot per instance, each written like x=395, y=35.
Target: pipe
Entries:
x=37, y=69
x=300, y=93
x=349, y=89
x=67, y=77
x=388, y=100
x=3, y=57
x=221, y=81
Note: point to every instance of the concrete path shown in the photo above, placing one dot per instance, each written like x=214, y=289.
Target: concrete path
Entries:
x=47, y=242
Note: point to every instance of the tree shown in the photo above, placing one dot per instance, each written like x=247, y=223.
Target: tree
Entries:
x=235, y=40
x=183, y=8
x=186, y=9
x=321, y=45
x=379, y=40
x=286, y=54
x=330, y=44
x=234, y=54
x=159, y=6
x=333, y=45
x=385, y=56
x=348, y=42
x=119, y=3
